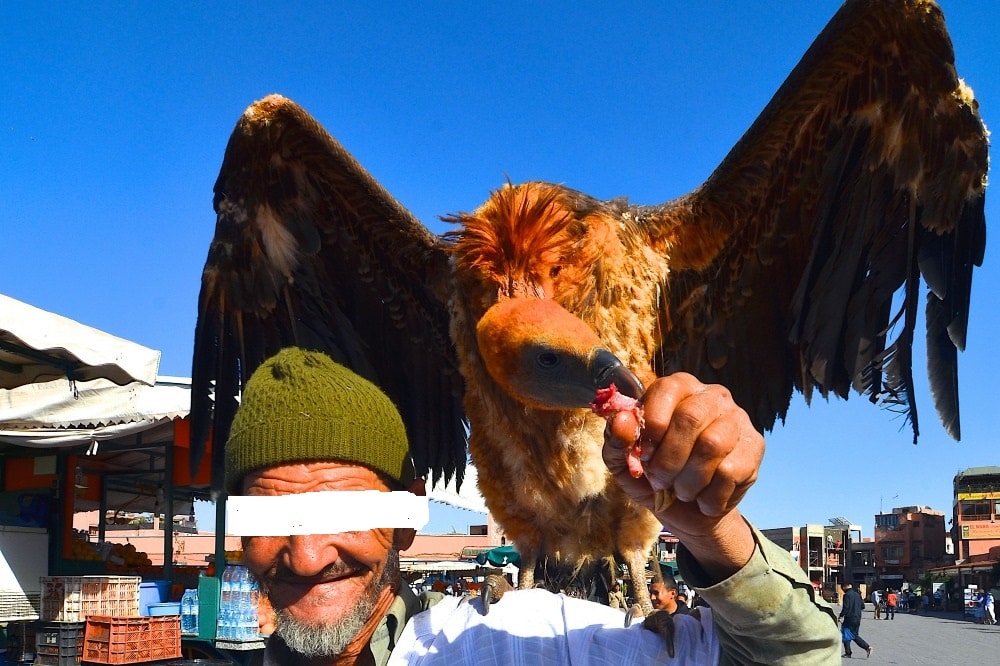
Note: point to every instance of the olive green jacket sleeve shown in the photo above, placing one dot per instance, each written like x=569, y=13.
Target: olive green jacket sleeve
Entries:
x=768, y=611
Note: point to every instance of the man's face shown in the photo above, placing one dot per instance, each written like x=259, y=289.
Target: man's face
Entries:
x=663, y=597
x=329, y=591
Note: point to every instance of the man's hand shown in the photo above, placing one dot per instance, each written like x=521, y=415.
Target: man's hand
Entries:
x=700, y=446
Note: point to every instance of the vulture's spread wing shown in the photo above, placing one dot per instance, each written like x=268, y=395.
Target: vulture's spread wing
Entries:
x=310, y=250
x=865, y=171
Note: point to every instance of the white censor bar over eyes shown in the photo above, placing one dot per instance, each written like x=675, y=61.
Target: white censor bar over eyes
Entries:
x=326, y=512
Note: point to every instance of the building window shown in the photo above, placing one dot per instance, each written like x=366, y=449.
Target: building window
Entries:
x=863, y=558
x=887, y=521
x=892, y=552
x=975, y=509
x=916, y=550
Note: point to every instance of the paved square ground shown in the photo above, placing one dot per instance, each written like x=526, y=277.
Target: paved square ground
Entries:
x=937, y=639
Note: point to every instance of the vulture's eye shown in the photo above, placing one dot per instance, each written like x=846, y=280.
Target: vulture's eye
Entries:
x=548, y=360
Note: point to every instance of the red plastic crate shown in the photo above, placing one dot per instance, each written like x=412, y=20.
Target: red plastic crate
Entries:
x=130, y=640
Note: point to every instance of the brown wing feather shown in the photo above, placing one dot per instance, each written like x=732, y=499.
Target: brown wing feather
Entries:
x=298, y=219
x=866, y=170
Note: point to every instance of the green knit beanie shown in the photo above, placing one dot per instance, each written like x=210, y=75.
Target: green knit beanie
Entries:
x=300, y=406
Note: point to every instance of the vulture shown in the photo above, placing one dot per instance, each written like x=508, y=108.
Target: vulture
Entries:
x=796, y=266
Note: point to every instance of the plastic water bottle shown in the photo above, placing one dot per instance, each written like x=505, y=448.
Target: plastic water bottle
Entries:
x=248, y=613
x=194, y=610
x=253, y=596
x=225, y=626
x=187, y=614
x=246, y=607
x=238, y=605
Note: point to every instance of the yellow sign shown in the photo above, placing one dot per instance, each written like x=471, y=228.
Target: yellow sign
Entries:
x=978, y=496
x=981, y=530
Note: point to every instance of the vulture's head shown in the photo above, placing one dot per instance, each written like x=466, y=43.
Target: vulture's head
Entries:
x=547, y=358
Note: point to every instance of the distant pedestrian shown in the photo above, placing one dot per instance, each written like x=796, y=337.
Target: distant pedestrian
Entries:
x=616, y=599
x=877, y=602
x=891, y=600
x=850, y=614
x=981, y=608
x=990, y=616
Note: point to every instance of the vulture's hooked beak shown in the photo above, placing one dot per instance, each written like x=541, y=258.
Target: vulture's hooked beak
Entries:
x=606, y=370
x=546, y=357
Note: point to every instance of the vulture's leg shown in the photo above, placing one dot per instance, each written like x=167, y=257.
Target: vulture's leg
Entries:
x=526, y=575
x=493, y=590
x=636, y=562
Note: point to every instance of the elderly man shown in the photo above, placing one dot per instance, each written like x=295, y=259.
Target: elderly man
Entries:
x=307, y=424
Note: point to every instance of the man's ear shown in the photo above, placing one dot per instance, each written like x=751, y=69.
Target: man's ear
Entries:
x=405, y=535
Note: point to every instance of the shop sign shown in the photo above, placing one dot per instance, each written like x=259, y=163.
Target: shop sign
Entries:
x=978, y=496
x=980, y=530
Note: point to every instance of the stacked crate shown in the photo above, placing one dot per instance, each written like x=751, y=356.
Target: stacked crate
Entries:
x=66, y=604
x=74, y=598
x=16, y=605
x=117, y=640
x=20, y=641
x=58, y=643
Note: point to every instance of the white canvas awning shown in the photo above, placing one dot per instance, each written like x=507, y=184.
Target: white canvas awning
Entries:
x=46, y=415
x=38, y=346
x=444, y=565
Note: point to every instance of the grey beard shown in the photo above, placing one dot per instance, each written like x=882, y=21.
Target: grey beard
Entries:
x=314, y=641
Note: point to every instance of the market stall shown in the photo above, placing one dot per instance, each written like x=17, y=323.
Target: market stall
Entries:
x=88, y=430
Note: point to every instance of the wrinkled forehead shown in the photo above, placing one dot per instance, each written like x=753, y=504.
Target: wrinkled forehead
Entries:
x=314, y=476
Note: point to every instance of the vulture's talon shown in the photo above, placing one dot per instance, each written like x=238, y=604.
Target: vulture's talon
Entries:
x=662, y=624
x=493, y=590
x=630, y=614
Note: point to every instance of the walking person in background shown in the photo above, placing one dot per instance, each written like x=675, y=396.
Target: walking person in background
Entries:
x=877, y=602
x=891, y=600
x=850, y=614
x=989, y=610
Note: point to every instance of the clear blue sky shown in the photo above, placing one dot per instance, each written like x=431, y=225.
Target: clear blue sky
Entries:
x=115, y=117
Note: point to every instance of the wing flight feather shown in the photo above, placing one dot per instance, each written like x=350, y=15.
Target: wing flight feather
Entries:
x=797, y=264
x=310, y=250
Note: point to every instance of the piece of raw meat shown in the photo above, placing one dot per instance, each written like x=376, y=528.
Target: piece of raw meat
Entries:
x=609, y=402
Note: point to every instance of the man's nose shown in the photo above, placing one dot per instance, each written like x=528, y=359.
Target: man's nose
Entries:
x=309, y=554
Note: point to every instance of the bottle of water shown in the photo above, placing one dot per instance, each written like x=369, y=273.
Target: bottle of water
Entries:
x=194, y=610
x=245, y=606
x=253, y=604
x=225, y=626
x=238, y=606
x=187, y=614
x=248, y=612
